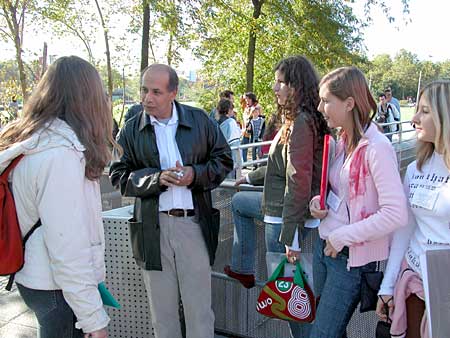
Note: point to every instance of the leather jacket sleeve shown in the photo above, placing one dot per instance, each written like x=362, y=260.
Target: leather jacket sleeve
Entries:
x=210, y=174
x=140, y=183
x=299, y=173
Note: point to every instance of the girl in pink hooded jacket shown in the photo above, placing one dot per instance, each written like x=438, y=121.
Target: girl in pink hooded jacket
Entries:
x=365, y=202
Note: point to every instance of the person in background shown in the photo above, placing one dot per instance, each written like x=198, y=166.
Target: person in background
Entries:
x=173, y=156
x=65, y=134
x=427, y=185
x=226, y=94
x=290, y=179
x=251, y=101
x=230, y=130
x=273, y=126
x=387, y=113
x=391, y=99
x=232, y=114
x=365, y=202
x=256, y=128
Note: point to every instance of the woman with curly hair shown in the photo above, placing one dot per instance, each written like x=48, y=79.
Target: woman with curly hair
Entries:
x=290, y=179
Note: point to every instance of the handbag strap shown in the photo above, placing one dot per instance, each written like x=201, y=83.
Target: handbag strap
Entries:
x=299, y=276
x=386, y=308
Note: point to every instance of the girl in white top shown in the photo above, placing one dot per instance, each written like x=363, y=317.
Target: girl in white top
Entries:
x=65, y=134
x=427, y=186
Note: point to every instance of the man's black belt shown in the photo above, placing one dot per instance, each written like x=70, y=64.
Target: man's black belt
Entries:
x=180, y=212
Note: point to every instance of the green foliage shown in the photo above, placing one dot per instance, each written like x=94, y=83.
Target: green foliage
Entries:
x=324, y=31
x=402, y=73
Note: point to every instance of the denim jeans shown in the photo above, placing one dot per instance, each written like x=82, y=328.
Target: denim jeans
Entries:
x=246, y=206
x=245, y=140
x=54, y=316
x=339, y=292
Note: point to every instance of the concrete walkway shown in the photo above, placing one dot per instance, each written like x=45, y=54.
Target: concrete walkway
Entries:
x=16, y=321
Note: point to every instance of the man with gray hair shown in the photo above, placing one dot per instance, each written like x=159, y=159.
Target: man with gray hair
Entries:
x=173, y=156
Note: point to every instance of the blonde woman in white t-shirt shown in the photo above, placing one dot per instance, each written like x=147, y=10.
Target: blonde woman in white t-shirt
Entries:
x=427, y=186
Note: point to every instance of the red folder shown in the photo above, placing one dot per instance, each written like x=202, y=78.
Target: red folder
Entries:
x=328, y=154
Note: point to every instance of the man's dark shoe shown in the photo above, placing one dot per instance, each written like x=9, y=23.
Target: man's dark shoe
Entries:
x=247, y=280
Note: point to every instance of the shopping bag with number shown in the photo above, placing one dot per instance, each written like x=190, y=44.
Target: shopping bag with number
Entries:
x=287, y=298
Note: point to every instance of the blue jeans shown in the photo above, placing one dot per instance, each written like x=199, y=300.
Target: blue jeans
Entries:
x=339, y=292
x=54, y=316
x=245, y=140
x=246, y=206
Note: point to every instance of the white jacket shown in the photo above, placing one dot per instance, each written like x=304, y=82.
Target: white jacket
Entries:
x=67, y=252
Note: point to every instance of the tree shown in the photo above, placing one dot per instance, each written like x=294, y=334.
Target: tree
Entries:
x=444, y=69
x=257, y=5
x=13, y=12
x=68, y=17
x=107, y=51
x=145, y=34
x=378, y=73
x=405, y=72
x=323, y=31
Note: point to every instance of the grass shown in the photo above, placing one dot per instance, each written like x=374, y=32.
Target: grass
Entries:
x=407, y=113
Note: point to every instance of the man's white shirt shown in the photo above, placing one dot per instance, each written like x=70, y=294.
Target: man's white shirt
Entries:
x=175, y=197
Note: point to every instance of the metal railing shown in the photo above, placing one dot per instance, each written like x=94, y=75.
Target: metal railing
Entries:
x=400, y=141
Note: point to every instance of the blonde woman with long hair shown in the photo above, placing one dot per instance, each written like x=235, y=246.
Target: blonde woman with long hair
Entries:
x=427, y=185
x=65, y=137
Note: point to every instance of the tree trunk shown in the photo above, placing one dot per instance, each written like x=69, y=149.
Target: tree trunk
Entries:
x=108, y=54
x=44, y=60
x=15, y=25
x=145, y=35
x=257, y=4
x=169, y=49
x=22, y=75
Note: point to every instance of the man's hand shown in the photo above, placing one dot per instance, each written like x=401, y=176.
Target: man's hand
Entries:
x=169, y=178
x=329, y=250
x=97, y=334
x=178, y=175
x=292, y=255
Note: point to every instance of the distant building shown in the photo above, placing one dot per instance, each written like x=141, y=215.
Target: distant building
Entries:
x=192, y=76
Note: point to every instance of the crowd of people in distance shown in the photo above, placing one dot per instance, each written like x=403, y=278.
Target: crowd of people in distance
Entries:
x=170, y=156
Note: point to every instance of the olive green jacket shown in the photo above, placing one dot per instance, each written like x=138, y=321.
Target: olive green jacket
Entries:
x=292, y=176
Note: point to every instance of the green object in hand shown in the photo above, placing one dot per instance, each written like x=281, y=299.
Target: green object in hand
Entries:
x=107, y=298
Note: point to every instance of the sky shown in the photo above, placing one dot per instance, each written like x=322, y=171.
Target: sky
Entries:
x=425, y=35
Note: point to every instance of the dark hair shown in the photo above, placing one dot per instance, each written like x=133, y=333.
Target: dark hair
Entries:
x=173, y=77
x=71, y=90
x=273, y=125
x=224, y=106
x=381, y=95
x=388, y=90
x=301, y=76
x=251, y=96
x=226, y=94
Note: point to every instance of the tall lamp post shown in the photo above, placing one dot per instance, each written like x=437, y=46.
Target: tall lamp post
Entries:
x=420, y=80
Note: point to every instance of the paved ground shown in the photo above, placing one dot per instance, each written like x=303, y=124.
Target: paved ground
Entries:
x=16, y=321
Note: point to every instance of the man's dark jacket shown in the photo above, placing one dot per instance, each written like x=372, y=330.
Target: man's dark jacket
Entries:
x=201, y=146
